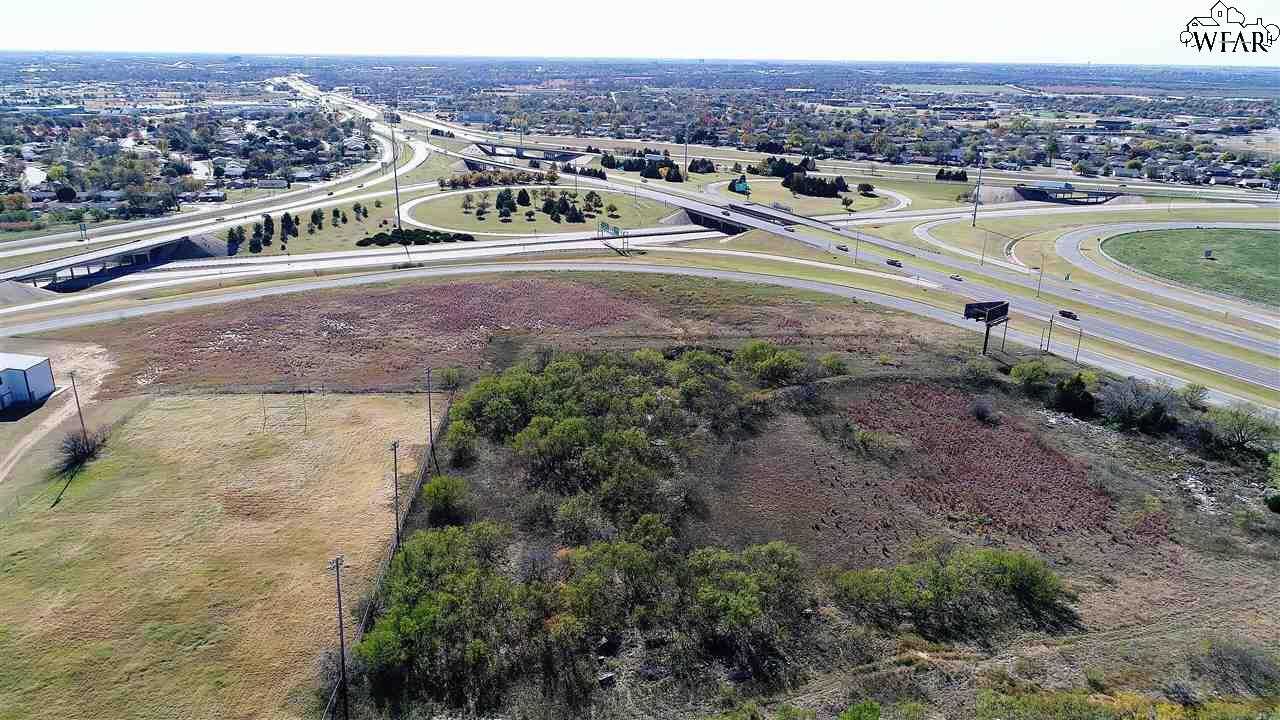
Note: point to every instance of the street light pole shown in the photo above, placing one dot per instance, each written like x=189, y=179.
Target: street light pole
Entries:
x=857, y=243
x=1040, y=279
x=977, y=191
x=395, y=162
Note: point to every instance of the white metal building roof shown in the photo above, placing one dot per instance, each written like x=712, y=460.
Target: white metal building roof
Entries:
x=14, y=361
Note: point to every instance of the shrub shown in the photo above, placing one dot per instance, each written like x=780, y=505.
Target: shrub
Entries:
x=978, y=371
x=1071, y=395
x=78, y=448
x=747, y=606
x=1272, y=500
x=445, y=499
x=579, y=521
x=983, y=411
x=910, y=710
x=1132, y=403
x=965, y=593
x=865, y=710
x=1238, y=667
x=780, y=369
x=833, y=364
x=1195, y=396
x=1273, y=470
x=1030, y=374
x=771, y=366
x=450, y=378
x=1241, y=427
x=460, y=440
x=869, y=443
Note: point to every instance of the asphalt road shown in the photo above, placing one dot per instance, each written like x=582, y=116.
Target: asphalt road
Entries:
x=134, y=228
x=1062, y=347
x=1124, y=305
x=1068, y=247
x=179, y=228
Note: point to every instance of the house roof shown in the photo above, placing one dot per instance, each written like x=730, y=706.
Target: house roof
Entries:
x=14, y=361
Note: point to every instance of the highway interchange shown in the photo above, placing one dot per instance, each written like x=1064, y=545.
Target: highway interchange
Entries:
x=1157, y=328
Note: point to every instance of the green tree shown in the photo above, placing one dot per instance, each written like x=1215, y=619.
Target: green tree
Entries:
x=445, y=499
x=865, y=710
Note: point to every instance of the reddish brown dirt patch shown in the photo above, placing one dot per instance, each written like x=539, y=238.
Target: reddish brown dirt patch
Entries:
x=355, y=339
x=1000, y=472
x=789, y=484
x=382, y=338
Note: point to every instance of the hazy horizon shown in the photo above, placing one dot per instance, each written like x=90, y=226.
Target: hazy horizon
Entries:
x=1145, y=32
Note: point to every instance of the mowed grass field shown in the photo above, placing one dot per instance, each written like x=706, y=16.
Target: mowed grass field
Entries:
x=1246, y=264
x=183, y=573
x=447, y=212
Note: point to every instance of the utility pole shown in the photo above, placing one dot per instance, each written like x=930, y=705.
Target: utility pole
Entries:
x=857, y=243
x=395, y=483
x=336, y=566
x=1049, y=342
x=1079, y=338
x=983, y=257
x=1040, y=279
x=84, y=433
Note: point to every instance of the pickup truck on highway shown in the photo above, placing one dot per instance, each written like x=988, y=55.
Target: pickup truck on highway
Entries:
x=894, y=263
x=1068, y=315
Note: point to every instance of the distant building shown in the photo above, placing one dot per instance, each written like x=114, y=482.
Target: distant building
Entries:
x=24, y=380
x=1113, y=123
x=32, y=176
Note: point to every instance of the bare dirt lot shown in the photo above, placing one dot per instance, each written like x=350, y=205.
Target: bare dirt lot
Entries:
x=384, y=337
x=183, y=573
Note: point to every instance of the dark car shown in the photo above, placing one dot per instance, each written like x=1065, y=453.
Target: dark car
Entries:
x=1068, y=315
x=894, y=263
x=842, y=248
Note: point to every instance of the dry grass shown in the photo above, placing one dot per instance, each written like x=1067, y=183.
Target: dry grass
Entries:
x=183, y=572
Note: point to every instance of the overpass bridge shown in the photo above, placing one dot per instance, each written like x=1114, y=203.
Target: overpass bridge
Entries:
x=145, y=252
x=1065, y=193
x=524, y=151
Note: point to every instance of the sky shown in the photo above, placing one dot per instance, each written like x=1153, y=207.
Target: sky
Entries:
x=1141, y=32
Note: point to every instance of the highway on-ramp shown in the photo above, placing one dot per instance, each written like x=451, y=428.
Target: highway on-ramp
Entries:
x=1068, y=247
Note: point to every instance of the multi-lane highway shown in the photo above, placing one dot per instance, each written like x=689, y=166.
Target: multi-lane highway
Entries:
x=1143, y=327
